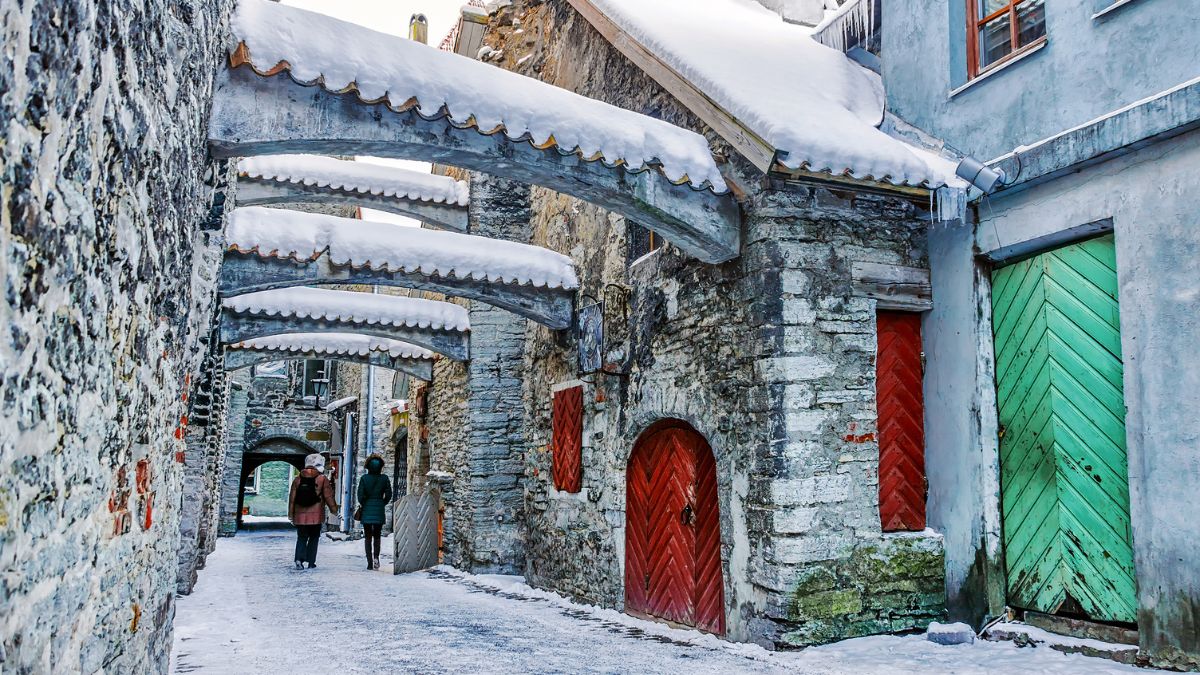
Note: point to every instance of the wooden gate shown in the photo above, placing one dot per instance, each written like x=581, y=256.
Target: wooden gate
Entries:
x=673, y=532
x=416, y=527
x=1064, y=480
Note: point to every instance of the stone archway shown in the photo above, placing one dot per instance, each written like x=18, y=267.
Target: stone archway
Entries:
x=673, y=529
x=287, y=449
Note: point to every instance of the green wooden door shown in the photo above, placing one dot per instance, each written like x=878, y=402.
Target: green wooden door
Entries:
x=1063, y=478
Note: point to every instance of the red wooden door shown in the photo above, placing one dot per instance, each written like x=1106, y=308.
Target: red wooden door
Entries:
x=673, y=530
x=900, y=404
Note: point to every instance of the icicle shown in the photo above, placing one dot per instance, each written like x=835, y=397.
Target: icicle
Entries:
x=855, y=17
x=951, y=204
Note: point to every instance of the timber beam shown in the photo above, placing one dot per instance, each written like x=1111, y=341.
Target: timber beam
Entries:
x=254, y=115
x=244, y=273
x=422, y=369
x=262, y=191
x=239, y=327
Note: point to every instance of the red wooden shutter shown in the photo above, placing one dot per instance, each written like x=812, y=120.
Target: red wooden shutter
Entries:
x=901, y=407
x=567, y=439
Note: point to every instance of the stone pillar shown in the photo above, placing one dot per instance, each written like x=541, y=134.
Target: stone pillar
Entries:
x=490, y=495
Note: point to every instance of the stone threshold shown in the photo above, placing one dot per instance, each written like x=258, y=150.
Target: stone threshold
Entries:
x=1027, y=635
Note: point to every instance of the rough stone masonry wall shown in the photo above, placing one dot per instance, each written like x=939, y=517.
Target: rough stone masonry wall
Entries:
x=768, y=356
x=103, y=107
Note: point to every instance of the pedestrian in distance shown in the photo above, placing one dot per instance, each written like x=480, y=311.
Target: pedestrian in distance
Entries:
x=374, y=493
x=310, y=491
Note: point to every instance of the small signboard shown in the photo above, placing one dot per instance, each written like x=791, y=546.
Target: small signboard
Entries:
x=317, y=436
x=590, y=327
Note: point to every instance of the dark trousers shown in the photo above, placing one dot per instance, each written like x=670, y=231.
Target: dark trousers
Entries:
x=307, y=538
x=371, y=535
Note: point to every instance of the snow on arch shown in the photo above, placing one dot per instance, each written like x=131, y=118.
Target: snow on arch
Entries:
x=353, y=176
x=344, y=57
x=360, y=243
x=333, y=344
x=351, y=306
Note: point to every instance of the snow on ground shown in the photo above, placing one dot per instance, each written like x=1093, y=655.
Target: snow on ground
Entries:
x=252, y=613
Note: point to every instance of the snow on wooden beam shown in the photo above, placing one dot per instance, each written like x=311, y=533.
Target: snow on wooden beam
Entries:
x=422, y=369
x=275, y=248
x=439, y=326
x=438, y=201
x=254, y=115
x=236, y=327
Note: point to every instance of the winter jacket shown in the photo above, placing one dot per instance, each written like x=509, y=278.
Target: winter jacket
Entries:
x=311, y=515
x=374, y=493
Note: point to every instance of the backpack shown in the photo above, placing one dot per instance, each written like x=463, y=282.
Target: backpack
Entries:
x=306, y=491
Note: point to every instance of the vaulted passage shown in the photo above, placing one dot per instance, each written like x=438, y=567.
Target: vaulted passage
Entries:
x=673, y=529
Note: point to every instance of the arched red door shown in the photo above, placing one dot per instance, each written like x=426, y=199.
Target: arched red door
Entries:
x=673, y=529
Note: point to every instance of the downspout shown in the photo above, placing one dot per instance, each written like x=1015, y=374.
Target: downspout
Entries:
x=348, y=474
x=370, y=409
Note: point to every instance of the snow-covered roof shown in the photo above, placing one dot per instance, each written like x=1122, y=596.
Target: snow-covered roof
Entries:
x=361, y=177
x=334, y=344
x=819, y=110
x=361, y=243
x=343, y=57
x=356, y=306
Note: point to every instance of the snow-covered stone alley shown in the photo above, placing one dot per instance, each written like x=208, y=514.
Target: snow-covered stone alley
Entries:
x=252, y=613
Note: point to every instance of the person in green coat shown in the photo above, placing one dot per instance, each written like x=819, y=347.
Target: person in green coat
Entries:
x=374, y=493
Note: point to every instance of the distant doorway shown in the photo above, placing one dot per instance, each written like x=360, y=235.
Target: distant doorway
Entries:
x=673, y=529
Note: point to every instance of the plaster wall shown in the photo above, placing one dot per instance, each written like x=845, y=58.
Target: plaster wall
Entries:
x=1088, y=68
x=1149, y=198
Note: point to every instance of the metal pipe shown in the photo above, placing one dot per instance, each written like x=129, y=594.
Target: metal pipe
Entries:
x=348, y=474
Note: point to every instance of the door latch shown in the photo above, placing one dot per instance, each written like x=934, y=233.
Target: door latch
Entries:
x=686, y=515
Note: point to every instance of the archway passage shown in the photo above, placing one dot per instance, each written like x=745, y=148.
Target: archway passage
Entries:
x=673, y=530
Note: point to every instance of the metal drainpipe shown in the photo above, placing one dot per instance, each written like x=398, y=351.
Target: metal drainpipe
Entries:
x=348, y=474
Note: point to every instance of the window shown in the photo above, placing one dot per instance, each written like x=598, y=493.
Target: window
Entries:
x=316, y=378
x=400, y=386
x=252, y=481
x=1000, y=29
x=271, y=369
x=642, y=242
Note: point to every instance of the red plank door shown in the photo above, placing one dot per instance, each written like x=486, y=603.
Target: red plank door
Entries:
x=673, y=532
x=566, y=440
x=901, y=408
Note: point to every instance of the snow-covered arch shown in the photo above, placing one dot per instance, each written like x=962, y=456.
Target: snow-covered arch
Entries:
x=312, y=84
x=275, y=248
x=348, y=347
x=442, y=327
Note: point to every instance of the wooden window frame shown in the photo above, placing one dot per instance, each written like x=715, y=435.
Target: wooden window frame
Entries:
x=974, y=69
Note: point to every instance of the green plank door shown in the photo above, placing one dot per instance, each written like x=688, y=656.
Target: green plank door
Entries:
x=1063, y=477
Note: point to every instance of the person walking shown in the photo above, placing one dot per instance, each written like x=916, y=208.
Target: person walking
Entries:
x=374, y=493
x=310, y=490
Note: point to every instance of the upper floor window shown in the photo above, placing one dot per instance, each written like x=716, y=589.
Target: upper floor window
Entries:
x=316, y=378
x=271, y=369
x=1000, y=29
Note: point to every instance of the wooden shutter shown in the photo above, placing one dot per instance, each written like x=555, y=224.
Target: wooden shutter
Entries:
x=901, y=408
x=567, y=439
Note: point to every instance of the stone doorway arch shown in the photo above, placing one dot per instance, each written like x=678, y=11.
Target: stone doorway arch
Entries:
x=673, y=529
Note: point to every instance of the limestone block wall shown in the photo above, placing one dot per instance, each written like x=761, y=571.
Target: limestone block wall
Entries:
x=770, y=357
x=103, y=107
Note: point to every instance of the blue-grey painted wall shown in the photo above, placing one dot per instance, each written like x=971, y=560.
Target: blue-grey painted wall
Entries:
x=1088, y=68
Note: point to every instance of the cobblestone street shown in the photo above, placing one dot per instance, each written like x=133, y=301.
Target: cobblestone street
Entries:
x=252, y=613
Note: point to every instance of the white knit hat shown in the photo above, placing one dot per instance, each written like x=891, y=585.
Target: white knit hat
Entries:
x=315, y=461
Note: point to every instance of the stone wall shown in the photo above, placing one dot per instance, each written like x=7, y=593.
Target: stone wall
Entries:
x=769, y=357
x=103, y=109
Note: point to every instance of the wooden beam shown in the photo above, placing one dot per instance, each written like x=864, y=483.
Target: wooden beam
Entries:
x=892, y=286
x=236, y=327
x=261, y=191
x=748, y=144
x=422, y=369
x=255, y=115
x=245, y=273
